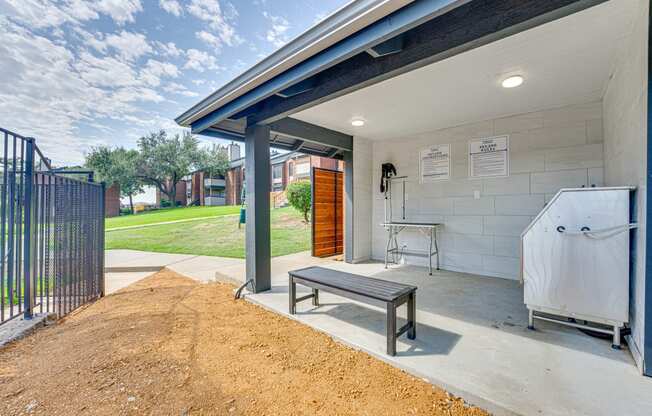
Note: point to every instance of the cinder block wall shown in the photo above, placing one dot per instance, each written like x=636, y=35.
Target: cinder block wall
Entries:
x=362, y=194
x=625, y=112
x=549, y=150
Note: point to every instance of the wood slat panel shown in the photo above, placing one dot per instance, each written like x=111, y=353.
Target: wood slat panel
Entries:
x=327, y=212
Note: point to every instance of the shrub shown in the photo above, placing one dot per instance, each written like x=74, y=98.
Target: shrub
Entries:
x=300, y=197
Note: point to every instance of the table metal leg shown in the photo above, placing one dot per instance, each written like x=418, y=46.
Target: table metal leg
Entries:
x=434, y=232
x=315, y=297
x=389, y=241
x=391, y=329
x=395, y=255
x=430, y=253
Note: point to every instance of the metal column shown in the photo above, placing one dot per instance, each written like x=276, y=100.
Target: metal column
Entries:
x=348, y=208
x=647, y=320
x=257, y=174
x=28, y=230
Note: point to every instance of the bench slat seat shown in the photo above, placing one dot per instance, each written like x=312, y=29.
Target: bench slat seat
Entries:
x=381, y=290
x=361, y=288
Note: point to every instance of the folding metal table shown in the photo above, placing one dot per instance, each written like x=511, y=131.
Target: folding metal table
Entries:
x=428, y=229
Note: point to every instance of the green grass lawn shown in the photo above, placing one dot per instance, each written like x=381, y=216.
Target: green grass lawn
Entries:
x=214, y=236
x=169, y=214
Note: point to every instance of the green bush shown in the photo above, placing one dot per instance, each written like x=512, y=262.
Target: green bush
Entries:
x=300, y=197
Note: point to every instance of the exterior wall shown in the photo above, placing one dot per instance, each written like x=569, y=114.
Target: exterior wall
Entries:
x=363, y=193
x=234, y=178
x=112, y=201
x=197, y=191
x=180, y=196
x=625, y=146
x=483, y=218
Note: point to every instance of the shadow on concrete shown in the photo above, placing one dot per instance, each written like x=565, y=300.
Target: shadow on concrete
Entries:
x=489, y=302
x=429, y=340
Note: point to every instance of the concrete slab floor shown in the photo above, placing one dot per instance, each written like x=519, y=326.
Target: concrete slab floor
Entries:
x=472, y=339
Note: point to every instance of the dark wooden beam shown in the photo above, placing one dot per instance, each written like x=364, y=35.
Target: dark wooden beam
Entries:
x=308, y=132
x=469, y=26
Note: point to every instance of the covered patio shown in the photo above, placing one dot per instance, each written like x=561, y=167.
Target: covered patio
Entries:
x=561, y=87
x=472, y=340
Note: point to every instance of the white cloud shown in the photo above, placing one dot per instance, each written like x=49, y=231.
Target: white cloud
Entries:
x=168, y=49
x=121, y=11
x=43, y=13
x=277, y=35
x=106, y=71
x=49, y=91
x=218, y=21
x=42, y=95
x=155, y=70
x=176, y=88
x=209, y=38
x=171, y=6
x=201, y=61
x=129, y=45
x=37, y=13
x=81, y=10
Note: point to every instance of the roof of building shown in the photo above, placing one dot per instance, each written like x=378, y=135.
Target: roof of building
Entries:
x=345, y=21
x=274, y=159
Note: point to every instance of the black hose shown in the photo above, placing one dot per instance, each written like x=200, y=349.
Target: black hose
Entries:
x=241, y=288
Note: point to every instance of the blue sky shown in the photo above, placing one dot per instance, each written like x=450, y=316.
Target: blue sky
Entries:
x=78, y=73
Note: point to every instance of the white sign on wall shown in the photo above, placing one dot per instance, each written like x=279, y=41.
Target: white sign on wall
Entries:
x=435, y=163
x=489, y=157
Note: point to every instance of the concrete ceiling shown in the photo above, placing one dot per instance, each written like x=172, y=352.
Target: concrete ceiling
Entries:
x=564, y=62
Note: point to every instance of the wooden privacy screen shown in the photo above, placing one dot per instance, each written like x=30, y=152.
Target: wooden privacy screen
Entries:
x=327, y=212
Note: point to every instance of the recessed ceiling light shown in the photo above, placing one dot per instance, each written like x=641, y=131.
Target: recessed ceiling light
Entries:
x=512, y=82
x=357, y=122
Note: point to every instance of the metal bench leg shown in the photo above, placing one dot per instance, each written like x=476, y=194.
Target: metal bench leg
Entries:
x=315, y=297
x=391, y=329
x=412, y=313
x=292, y=289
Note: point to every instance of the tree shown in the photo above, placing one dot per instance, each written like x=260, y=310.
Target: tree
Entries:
x=300, y=197
x=213, y=161
x=165, y=160
x=116, y=166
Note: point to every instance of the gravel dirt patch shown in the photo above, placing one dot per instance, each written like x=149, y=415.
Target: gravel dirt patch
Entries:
x=168, y=345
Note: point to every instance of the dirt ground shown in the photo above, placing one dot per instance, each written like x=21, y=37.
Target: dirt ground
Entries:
x=170, y=346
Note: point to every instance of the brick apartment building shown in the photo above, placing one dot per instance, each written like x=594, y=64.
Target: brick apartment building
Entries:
x=200, y=189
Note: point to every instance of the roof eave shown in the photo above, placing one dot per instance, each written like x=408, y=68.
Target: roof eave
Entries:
x=342, y=23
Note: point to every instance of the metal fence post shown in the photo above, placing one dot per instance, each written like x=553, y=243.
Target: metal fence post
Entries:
x=28, y=223
x=102, y=237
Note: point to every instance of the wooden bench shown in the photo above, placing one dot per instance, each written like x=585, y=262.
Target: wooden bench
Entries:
x=389, y=295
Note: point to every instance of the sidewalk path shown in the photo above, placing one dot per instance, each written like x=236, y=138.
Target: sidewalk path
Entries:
x=201, y=268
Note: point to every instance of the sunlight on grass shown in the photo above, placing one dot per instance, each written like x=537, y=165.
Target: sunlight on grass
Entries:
x=214, y=237
x=170, y=214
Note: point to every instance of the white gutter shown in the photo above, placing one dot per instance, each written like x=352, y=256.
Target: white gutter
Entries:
x=342, y=23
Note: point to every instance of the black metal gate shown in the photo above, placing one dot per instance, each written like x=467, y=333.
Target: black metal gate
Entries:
x=51, y=234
